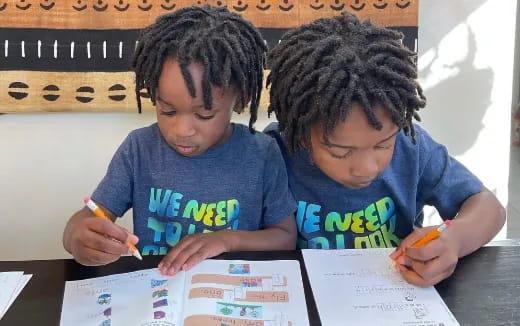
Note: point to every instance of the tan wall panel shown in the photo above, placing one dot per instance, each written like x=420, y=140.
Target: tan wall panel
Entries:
x=35, y=98
x=381, y=12
x=126, y=14
x=31, y=98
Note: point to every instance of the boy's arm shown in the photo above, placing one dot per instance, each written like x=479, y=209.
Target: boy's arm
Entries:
x=480, y=218
x=196, y=247
x=95, y=241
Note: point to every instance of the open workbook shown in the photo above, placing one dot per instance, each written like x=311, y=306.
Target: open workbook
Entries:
x=213, y=293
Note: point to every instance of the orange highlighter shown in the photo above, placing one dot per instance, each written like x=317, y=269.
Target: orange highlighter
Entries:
x=99, y=213
x=432, y=235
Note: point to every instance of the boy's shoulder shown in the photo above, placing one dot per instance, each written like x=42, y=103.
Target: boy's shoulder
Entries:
x=424, y=143
x=410, y=156
x=147, y=132
x=143, y=137
x=258, y=140
x=272, y=131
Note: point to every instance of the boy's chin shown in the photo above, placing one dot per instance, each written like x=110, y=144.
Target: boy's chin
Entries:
x=356, y=186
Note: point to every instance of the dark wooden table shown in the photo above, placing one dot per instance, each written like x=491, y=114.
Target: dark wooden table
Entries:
x=484, y=290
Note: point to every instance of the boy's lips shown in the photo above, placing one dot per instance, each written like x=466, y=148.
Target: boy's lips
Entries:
x=185, y=149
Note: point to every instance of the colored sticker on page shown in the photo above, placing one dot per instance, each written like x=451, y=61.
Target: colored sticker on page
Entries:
x=160, y=293
x=107, y=312
x=159, y=314
x=160, y=303
x=156, y=283
x=104, y=298
x=239, y=269
x=249, y=283
x=238, y=310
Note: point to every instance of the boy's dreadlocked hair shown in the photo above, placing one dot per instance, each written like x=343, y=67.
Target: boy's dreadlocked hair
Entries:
x=230, y=49
x=320, y=69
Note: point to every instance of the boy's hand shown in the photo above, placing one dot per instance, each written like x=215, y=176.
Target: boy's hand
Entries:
x=95, y=241
x=193, y=249
x=428, y=265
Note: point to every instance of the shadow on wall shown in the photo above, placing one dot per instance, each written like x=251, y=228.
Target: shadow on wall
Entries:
x=457, y=104
x=433, y=28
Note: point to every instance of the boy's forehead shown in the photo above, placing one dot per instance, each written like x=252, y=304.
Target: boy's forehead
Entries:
x=357, y=128
x=172, y=73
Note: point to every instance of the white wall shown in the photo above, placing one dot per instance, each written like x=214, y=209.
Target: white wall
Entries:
x=466, y=67
x=49, y=162
x=516, y=71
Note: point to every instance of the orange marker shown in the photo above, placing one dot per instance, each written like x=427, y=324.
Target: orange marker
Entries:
x=432, y=235
x=99, y=213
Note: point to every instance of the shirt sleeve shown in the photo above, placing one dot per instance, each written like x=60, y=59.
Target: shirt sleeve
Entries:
x=278, y=202
x=444, y=183
x=115, y=190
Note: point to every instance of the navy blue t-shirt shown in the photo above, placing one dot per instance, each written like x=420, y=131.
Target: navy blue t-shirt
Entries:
x=241, y=184
x=331, y=216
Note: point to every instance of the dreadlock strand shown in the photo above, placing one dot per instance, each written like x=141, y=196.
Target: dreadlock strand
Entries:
x=229, y=48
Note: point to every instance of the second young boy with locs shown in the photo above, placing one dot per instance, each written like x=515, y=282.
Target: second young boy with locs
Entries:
x=345, y=95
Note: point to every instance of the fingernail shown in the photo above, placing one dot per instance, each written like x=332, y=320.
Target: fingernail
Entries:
x=160, y=266
x=185, y=267
x=171, y=270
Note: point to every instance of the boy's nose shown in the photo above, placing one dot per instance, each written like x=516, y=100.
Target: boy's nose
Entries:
x=364, y=166
x=183, y=127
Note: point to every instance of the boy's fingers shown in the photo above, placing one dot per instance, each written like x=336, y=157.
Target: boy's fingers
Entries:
x=412, y=277
x=131, y=237
x=396, y=253
x=184, y=255
x=101, y=243
x=408, y=242
x=404, y=260
x=430, y=251
x=415, y=236
x=108, y=228
x=166, y=262
x=96, y=257
x=440, y=266
x=195, y=259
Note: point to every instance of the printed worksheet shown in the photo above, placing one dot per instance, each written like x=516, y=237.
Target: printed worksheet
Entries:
x=137, y=298
x=11, y=284
x=362, y=287
x=239, y=293
x=213, y=293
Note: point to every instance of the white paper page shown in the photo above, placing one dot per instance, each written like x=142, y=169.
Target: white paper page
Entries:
x=362, y=287
x=138, y=298
x=8, y=284
x=22, y=282
x=244, y=293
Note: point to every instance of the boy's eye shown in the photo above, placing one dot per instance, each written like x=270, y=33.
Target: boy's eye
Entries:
x=384, y=146
x=168, y=113
x=341, y=156
x=205, y=117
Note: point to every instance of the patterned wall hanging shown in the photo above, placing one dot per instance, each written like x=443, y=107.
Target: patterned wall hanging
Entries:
x=74, y=55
